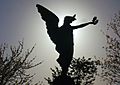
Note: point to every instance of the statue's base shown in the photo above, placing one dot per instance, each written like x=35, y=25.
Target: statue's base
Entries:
x=63, y=80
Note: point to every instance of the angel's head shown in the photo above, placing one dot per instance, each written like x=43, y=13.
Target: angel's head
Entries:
x=69, y=19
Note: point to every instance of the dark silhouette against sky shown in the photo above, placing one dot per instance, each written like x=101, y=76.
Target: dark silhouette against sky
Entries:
x=62, y=36
x=19, y=19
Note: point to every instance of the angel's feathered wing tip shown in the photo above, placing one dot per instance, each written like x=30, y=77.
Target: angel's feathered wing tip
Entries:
x=37, y=5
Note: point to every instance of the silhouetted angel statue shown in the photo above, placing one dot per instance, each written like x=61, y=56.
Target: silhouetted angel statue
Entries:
x=62, y=36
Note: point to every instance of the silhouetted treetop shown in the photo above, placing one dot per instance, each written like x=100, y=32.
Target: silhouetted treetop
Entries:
x=14, y=65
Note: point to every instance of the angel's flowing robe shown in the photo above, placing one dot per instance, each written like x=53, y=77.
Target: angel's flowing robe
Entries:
x=63, y=39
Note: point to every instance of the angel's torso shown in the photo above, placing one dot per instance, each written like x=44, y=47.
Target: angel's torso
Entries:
x=65, y=35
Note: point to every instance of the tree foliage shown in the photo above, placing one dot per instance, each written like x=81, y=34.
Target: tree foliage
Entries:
x=14, y=64
x=83, y=71
x=111, y=65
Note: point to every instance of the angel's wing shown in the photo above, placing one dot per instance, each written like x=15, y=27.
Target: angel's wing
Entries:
x=49, y=17
x=51, y=21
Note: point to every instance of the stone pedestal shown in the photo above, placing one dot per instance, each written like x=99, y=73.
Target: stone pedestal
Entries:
x=63, y=80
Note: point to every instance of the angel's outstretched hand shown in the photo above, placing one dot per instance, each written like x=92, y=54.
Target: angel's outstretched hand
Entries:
x=95, y=20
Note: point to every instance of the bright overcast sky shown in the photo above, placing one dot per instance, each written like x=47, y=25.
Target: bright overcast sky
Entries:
x=20, y=20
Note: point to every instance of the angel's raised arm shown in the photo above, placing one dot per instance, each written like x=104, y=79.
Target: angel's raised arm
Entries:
x=94, y=22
